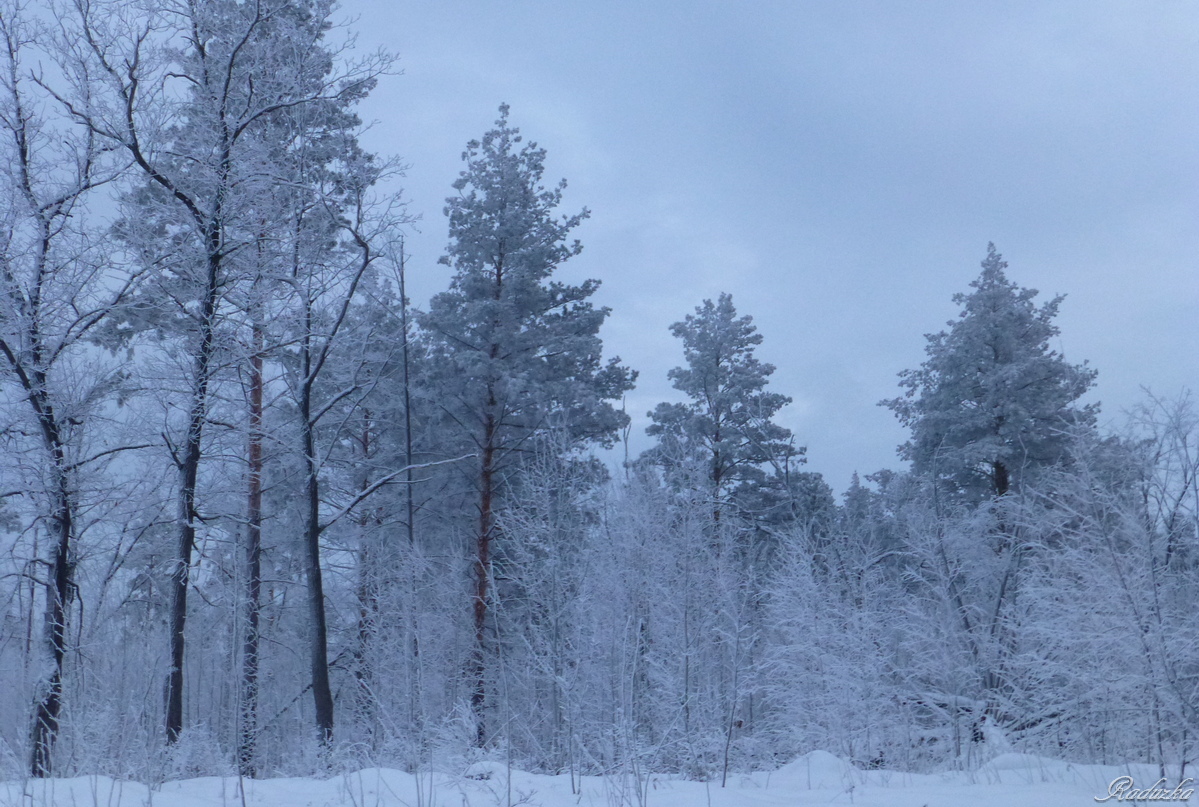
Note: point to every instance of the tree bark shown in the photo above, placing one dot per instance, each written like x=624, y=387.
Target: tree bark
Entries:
x=1001, y=478
x=322, y=691
x=46, y=714
x=49, y=708
x=478, y=696
x=189, y=467
x=248, y=729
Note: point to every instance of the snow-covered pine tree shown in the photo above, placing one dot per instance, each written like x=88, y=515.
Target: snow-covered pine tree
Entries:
x=993, y=401
x=515, y=353
x=732, y=470
x=726, y=430
x=992, y=409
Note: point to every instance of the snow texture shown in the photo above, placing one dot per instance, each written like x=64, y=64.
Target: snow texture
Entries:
x=815, y=778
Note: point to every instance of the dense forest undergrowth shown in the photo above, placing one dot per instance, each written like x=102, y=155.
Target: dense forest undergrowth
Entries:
x=261, y=514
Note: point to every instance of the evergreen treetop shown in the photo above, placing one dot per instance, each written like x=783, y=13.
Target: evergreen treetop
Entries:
x=727, y=426
x=993, y=401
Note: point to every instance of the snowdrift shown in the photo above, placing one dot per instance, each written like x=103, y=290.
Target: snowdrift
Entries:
x=1009, y=780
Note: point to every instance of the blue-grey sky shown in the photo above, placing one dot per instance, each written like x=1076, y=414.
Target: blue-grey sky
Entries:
x=839, y=168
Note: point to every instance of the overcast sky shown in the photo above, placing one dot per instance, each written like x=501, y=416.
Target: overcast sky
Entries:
x=839, y=168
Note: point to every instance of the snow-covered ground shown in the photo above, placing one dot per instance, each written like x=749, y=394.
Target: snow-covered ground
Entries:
x=1010, y=780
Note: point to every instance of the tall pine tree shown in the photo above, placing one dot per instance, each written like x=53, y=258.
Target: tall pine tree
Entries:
x=727, y=426
x=517, y=353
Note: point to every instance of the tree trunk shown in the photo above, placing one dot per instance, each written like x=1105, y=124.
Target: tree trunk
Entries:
x=189, y=466
x=373, y=564
x=368, y=617
x=1001, y=478
x=46, y=719
x=410, y=501
x=322, y=692
x=46, y=714
x=408, y=495
x=478, y=694
x=248, y=729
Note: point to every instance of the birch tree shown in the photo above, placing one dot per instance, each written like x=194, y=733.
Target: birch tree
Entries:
x=56, y=287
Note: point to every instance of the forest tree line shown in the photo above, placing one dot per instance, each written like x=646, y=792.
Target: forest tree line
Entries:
x=259, y=513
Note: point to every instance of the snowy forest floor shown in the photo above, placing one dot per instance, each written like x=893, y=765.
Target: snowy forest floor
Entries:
x=816, y=778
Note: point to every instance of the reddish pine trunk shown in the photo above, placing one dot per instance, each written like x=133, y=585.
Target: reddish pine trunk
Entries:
x=482, y=578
